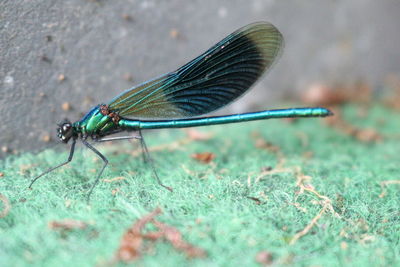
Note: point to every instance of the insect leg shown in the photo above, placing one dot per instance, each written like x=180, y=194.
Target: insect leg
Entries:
x=144, y=148
x=71, y=154
x=102, y=169
x=117, y=138
x=148, y=159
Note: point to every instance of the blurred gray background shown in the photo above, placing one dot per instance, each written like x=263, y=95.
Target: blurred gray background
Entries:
x=59, y=58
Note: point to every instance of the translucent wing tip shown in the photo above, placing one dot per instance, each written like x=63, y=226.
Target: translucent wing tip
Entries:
x=267, y=39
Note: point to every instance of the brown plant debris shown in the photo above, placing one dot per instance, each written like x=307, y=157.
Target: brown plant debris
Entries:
x=321, y=94
x=255, y=199
x=384, y=184
x=302, y=181
x=393, y=101
x=197, y=135
x=173, y=236
x=334, y=96
x=261, y=143
x=264, y=258
x=132, y=243
x=366, y=135
x=67, y=224
x=115, y=179
x=312, y=223
x=115, y=191
x=6, y=206
x=204, y=157
x=24, y=168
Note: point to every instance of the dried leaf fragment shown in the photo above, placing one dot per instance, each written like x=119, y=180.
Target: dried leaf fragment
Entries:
x=264, y=258
x=67, y=224
x=131, y=243
x=196, y=135
x=320, y=94
x=368, y=135
x=115, y=179
x=172, y=235
x=363, y=135
x=204, y=157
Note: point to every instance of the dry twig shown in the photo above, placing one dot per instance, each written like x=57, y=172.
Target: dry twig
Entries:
x=132, y=241
x=309, y=226
x=67, y=224
x=302, y=181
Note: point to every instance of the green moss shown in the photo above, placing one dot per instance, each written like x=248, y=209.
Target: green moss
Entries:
x=210, y=203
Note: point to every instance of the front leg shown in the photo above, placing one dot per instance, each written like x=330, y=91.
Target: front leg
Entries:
x=102, y=169
x=71, y=155
x=118, y=138
x=147, y=158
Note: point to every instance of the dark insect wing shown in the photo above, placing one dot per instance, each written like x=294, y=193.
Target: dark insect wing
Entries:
x=217, y=77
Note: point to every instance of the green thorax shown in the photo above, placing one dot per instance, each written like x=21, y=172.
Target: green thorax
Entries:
x=95, y=123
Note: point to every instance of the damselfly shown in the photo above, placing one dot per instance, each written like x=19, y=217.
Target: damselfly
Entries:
x=176, y=99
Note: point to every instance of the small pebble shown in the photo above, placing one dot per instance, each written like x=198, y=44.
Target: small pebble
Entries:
x=128, y=77
x=127, y=17
x=61, y=77
x=66, y=106
x=46, y=138
x=174, y=33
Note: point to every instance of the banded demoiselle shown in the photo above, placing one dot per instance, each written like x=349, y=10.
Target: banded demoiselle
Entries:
x=176, y=99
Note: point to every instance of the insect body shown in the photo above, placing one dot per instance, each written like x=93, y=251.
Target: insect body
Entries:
x=176, y=100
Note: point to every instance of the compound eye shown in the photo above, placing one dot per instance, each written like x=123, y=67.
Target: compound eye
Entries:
x=66, y=127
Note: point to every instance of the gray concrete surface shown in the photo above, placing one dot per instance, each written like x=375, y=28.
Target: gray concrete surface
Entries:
x=97, y=45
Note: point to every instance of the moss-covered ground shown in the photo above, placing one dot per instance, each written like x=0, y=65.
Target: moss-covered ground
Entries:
x=302, y=192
